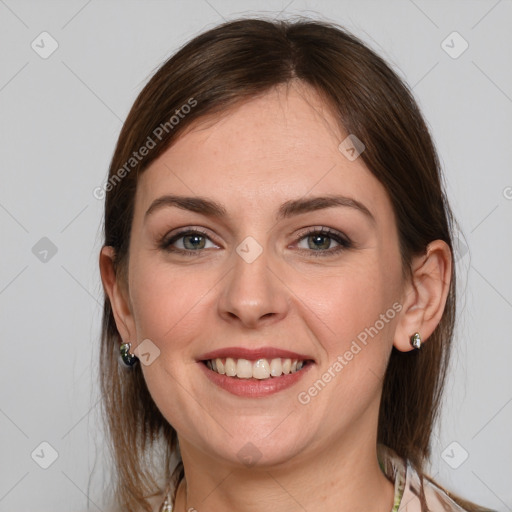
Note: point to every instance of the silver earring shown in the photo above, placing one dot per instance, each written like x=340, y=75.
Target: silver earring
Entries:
x=416, y=340
x=167, y=504
x=127, y=358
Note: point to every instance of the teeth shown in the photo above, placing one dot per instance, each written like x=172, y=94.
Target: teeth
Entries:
x=276, y=367
x=260, y=369
x=230, y=367
x=220, y=366
x=244, y=369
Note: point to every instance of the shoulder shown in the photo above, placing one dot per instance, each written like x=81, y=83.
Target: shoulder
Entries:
x=412, y=491
x=435, y=497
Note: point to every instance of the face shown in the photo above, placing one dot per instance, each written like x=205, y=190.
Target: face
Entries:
x=284, y=249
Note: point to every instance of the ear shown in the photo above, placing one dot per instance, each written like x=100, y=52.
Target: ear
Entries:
x=117, y=294
x=424, y=295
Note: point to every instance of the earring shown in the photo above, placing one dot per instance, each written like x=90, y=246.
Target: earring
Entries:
x=416, y=340
x=127, y=358
x=167, y=504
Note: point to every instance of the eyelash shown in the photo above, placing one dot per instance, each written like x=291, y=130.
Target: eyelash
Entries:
x=342, y=241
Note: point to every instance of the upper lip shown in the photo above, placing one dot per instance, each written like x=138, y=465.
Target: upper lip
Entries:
x=253, y=354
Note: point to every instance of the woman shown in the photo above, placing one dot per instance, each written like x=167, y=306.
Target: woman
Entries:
x=279, y=280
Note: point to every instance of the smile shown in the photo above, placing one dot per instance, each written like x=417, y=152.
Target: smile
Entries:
x=254, y=372
x=258, y=369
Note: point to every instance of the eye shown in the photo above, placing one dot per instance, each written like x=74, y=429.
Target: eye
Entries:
x=315, y=241
x=323, y=242
x=187, y=242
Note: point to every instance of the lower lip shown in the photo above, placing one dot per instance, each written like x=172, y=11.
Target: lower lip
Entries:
x=254, y=388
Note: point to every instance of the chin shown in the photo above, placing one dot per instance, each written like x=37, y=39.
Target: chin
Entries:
x=258, y=451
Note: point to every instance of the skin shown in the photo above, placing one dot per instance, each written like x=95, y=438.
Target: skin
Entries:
x=276, y=148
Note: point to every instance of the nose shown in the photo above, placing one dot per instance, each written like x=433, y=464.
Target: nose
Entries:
x=254, y=293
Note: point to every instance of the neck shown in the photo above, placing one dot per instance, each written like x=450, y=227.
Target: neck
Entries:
x=345, y=476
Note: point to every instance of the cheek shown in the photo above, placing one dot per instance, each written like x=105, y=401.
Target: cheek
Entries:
x=358, y=310
x=166, y=302
x=358, y=313
x=351, y=299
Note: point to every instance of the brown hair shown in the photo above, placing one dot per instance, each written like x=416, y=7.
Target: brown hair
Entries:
x=215, y=71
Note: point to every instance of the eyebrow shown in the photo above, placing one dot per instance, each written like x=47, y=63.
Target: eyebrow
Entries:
x=211, y=208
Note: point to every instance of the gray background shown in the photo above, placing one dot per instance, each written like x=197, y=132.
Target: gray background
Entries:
x=60, y=118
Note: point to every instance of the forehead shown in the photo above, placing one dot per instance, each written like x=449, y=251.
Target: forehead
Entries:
x=281, y=145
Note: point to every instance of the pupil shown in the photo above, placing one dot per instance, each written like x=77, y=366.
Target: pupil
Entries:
x=322, y=241
x=193, y=242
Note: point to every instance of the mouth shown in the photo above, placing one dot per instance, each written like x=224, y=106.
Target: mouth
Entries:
x=254, y=373
x=261, y=369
